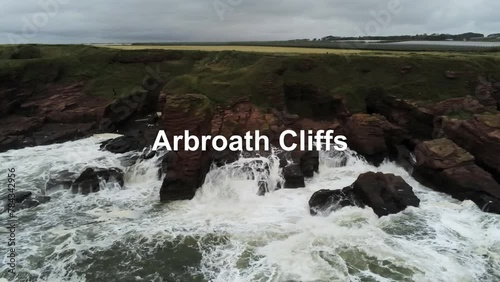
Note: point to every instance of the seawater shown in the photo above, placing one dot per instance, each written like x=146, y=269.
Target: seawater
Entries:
x=229, y=233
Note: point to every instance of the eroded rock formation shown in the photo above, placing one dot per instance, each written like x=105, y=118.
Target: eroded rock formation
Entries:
x=384, y=193
x=446, y=167
x=186, y=171
x=480, y=135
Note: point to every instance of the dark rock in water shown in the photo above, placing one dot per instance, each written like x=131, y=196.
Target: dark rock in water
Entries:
x=185, y=170
x=129, y=160
x=123, y=144
x=33, y=202
x=22, y=195
x=372, y=136
x=446, y=167
x=225, y=157
x=19, y=197
x=384, y=193
x=294, y=178
x=487, y=203
x=62, y=179
x=326, y=201
x=147, y=155
x=178, y=184
x=174, y=189
x=263, y=188
x=284, y=158
x=90, y=179
x=365, y=135
x=309, y=163
x=403, y=157
x=29, y=202
x=42, y=199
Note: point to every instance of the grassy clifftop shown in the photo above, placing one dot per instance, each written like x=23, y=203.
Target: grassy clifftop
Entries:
x=267, y=79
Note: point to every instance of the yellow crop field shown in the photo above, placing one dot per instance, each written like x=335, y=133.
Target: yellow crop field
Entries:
x=260, y=49
x=278, y=50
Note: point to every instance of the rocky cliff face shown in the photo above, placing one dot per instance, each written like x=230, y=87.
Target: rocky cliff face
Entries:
x=373, y=136
x=479, y=135
x=38, y=107
x=465, y=163
x=56, y=113
x=449, y=168
x=185, y=171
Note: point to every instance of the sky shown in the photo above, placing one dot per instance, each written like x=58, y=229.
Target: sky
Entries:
x=105, y=21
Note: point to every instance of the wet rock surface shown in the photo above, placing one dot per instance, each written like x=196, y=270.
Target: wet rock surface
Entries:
x=185, y=171
x=372, y=136
x=124, y=144
x=91, y=179
x=22, y=200
x=479, y=135
x=446, y=167
x=51, y=114
x=384, y=193
x=294, y=178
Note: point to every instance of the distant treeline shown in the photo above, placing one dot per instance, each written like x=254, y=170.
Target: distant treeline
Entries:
x=424, y=37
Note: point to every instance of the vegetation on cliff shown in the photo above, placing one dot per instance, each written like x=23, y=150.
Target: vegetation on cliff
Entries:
x=262, y=78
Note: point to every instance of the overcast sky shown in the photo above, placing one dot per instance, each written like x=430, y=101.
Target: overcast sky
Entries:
x=87, y=21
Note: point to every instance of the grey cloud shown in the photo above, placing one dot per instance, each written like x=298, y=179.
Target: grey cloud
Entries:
x=198, y=20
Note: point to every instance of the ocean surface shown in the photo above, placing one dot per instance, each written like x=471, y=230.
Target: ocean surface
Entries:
x=229, y=233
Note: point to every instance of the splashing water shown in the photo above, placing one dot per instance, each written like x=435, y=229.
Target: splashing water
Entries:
x=229, y=233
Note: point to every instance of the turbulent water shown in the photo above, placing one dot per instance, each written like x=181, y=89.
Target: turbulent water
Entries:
x=229, y=233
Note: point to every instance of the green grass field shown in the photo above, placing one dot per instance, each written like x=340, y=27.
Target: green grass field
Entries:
x=229, y=73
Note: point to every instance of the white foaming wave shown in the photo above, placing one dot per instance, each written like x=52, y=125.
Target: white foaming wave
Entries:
x=258, y=238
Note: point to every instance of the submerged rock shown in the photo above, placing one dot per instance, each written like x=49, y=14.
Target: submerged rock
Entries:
x=62, y=179
x=384, y=193
x=263, y=188
x=24, y=200
x=90, y=179
x=326, y=201
x=19, y=196
x=222, y=158
x=22, y=195
x=33, y=202
x=309, y=163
